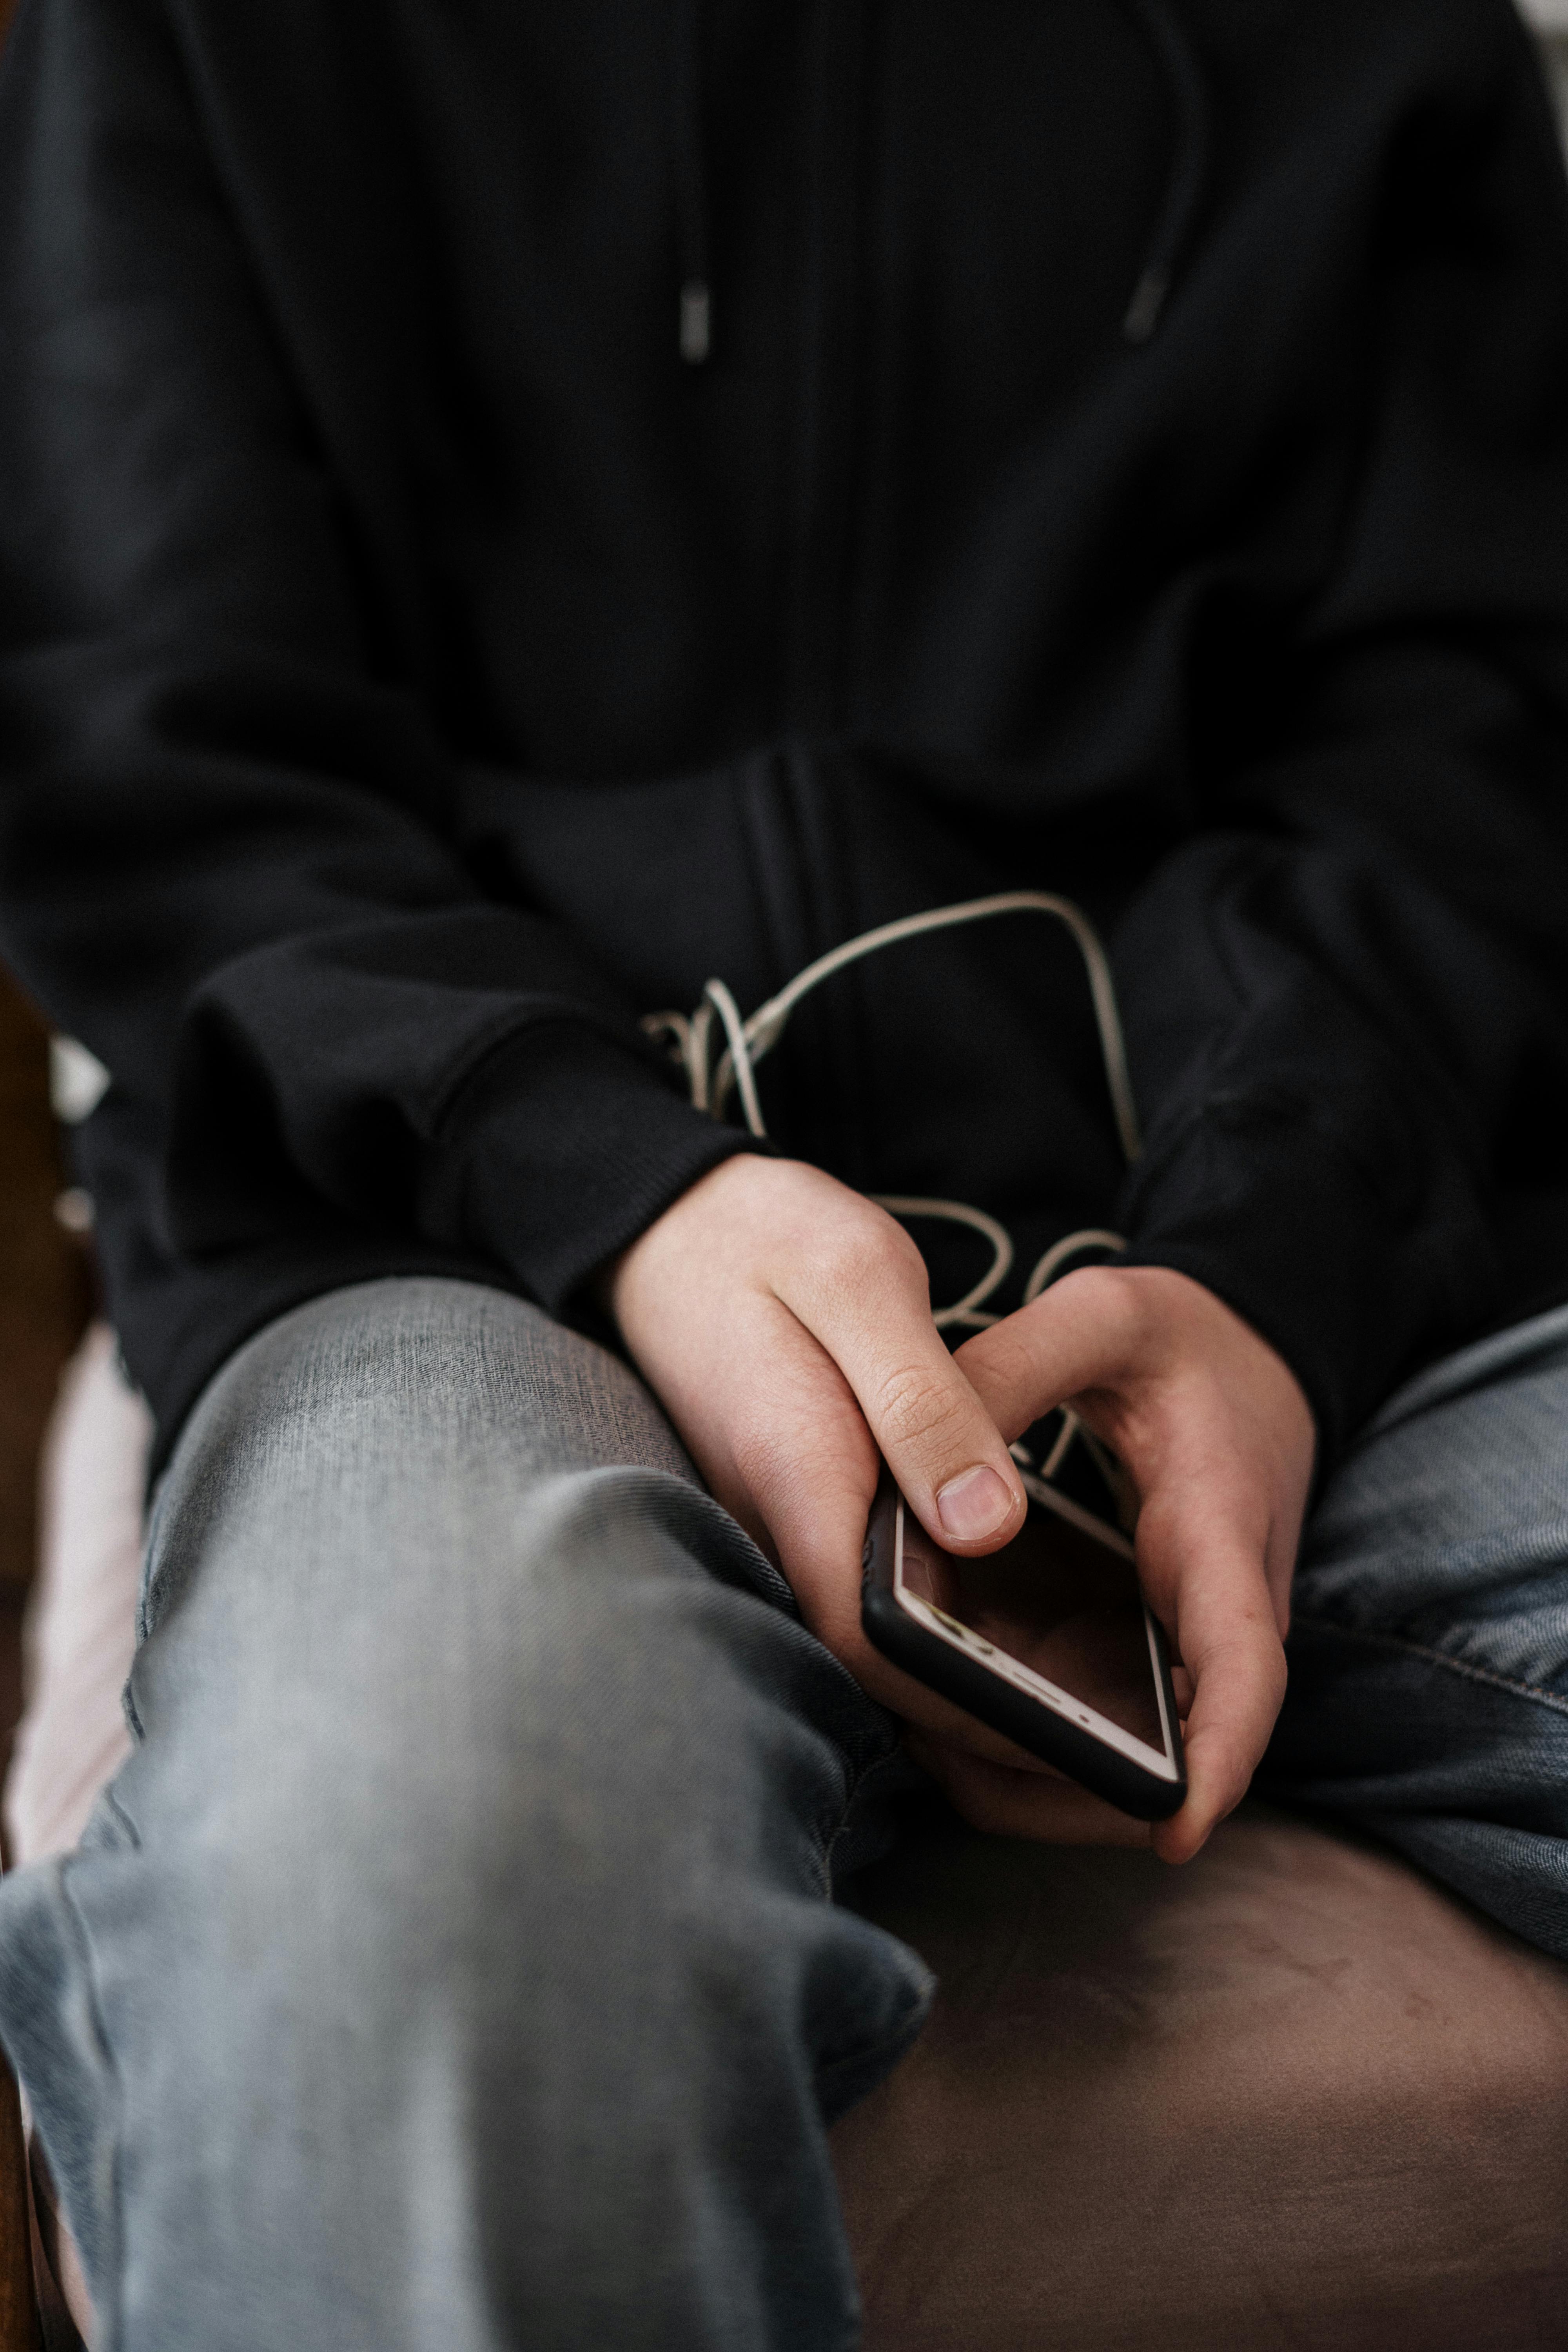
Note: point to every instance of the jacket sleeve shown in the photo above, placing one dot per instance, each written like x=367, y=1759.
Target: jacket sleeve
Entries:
x=1347, y=993
x=221, y=857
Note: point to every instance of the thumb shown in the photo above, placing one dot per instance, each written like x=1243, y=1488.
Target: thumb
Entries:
x=933, y=1432
x=1086, y=1331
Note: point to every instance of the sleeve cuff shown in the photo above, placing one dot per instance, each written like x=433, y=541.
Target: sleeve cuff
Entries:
x=562, y=1147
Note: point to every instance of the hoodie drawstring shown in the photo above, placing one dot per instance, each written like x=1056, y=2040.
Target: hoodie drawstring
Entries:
x=1185, y=186
x=1187, y=180
x=691, y=205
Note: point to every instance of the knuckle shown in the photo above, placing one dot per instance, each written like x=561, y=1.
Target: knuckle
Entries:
x=1132, y=1304
x=914, y=1408
x=898, y=1249
x=861, y=1250
x=1116, y=1306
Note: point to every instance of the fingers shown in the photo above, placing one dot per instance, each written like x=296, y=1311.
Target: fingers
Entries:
x=861, y=1293
x=1240, y=1687
x=855, y=1283
x=785, y=1323
x=1201, y=1559
x=1217, y=1438
x=723, y=1306
x=1089, y=1330
x=802, y=1482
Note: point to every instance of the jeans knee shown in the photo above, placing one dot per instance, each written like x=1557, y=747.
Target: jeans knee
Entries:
x=575, y=1720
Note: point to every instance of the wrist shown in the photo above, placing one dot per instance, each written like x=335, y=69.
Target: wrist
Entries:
x=607, y=1285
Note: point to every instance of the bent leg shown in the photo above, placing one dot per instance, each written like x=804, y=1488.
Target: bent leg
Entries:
x=1428, y=1695
x=450, y=1963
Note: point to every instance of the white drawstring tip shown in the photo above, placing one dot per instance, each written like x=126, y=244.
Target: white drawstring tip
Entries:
x=696, y=321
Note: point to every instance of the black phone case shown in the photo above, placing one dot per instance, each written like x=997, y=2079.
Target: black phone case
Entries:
x=1013, y=1712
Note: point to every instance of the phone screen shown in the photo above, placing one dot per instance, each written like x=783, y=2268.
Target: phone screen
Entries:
x=1058, y=1600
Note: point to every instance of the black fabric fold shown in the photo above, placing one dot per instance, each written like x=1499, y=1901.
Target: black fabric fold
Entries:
x=401, y=656
x=558, y=1152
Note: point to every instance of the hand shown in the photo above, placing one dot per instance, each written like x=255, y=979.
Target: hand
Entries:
x=785, y=1323
x=1219, y=1439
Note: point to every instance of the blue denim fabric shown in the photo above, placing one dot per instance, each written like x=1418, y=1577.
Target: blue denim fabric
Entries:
x=1428, y=1697
x=452, y=1965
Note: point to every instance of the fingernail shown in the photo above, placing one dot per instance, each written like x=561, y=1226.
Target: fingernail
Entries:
x=974, y=1504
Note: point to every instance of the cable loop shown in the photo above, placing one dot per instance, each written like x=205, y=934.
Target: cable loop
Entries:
x=967, y=1308
x=735, y=1069
x=767, y=1025
x=747, y=1043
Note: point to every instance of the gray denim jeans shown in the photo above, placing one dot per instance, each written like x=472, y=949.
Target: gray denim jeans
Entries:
x=452, y=1966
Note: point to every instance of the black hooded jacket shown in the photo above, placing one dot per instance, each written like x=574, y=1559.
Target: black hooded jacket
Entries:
x=508, y=510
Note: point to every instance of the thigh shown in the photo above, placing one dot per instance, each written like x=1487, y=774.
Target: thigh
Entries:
x=470, y=1864
x=1428, y=1652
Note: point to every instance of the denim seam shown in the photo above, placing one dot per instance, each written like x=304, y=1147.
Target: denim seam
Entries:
x=122, y=1817
x=1440, y=1658
x=111, y=2324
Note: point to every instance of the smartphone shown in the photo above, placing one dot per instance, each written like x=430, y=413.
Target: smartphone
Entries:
x=1048, y=1641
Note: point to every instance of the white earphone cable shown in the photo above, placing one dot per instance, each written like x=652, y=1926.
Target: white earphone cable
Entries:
x=747, y=1042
